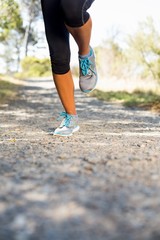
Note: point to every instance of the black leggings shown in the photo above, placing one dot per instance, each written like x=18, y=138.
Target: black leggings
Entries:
x=56, y=14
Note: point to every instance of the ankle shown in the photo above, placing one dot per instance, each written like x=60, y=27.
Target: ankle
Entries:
x=85, y=52
x=72, y=112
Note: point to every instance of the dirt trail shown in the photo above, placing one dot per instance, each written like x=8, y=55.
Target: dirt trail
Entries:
x=103, y=183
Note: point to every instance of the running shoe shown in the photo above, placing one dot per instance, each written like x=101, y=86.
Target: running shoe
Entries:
x=88, y=73
x=68, y=126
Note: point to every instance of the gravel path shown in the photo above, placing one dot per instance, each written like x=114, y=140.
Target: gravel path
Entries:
x=103, y=183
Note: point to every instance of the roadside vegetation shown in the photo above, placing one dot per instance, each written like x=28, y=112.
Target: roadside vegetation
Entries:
x=146, y=100
x=140, y=58
x=8, y=91
x=34, y=67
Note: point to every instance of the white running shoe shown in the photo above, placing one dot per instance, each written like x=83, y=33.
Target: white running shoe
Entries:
x=88, y=73
x=68, y=126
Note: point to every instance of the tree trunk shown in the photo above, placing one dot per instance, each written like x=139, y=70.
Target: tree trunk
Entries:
x=26, y=38
x=26, y=35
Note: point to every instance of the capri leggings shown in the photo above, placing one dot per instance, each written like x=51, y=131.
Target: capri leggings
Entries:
x=56, y=14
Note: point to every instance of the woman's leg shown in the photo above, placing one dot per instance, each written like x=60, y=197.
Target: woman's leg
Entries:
x=79, y=24
x=65, y=88
x=82, y=36
x=58, y=41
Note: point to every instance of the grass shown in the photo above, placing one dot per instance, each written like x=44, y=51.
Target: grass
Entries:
x=8, y=91
x=146, y=100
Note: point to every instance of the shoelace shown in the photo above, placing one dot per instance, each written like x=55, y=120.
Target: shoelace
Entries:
x=85, y=65
x=67, y=118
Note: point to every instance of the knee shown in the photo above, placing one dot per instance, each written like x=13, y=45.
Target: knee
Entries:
x=73, y=12
x=59, y=65
x=59, y=68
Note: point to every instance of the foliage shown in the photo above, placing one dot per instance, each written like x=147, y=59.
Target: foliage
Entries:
x=10, y=18
x=35, y=67
x=147, y=100
x=138, y=55
x=16, y=31
x=11, y=31
x=144, y=50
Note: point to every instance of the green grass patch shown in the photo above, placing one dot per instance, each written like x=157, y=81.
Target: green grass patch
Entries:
x=8, y=91
x=146, y=100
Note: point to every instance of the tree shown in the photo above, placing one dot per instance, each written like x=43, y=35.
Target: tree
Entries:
x=111, y=60
x=144, y=49
x=10, y=18
x=33, y=12
x=10, y=31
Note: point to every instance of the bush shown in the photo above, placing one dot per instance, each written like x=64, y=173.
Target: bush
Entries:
x=34, y=67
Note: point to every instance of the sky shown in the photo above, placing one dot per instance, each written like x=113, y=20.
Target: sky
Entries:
x=124, y=15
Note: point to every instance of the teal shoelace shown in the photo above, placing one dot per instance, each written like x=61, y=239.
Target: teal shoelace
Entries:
x=67, y=118
x=85, y=65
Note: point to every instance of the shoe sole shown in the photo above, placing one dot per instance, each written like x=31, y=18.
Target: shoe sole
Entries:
x=64, y=135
